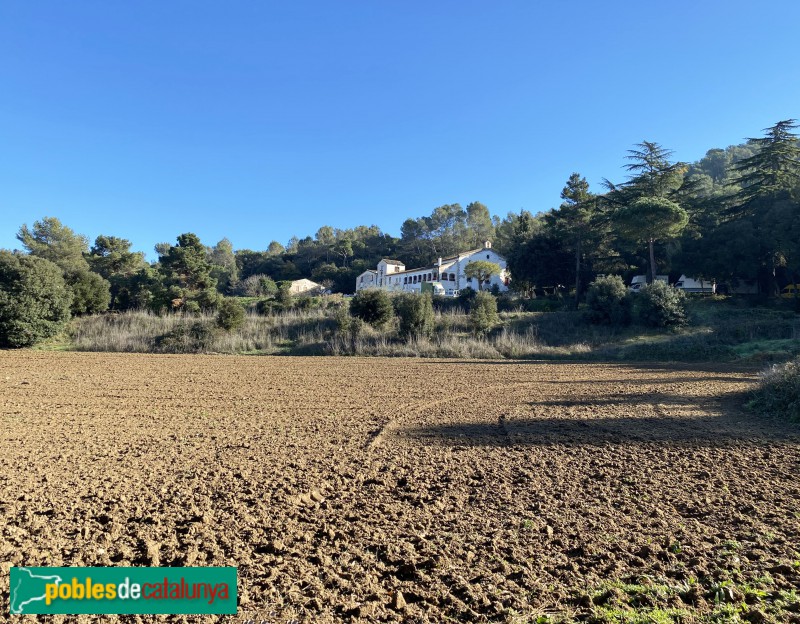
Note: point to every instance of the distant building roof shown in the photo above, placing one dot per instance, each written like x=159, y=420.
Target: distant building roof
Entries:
x=393, y=262
x=303, y=285
x=444, y=260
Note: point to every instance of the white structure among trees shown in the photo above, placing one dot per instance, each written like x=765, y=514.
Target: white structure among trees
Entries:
x=446, y=277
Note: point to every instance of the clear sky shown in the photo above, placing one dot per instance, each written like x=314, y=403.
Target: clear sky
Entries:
x=260, y=120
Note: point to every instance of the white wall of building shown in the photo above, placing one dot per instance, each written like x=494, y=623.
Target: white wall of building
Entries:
x=366, y=280
x=448, y=274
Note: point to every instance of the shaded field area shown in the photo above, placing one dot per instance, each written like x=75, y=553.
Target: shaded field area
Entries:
x=355, y=489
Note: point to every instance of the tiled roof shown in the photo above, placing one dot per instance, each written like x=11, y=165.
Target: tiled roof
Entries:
x=444, y=261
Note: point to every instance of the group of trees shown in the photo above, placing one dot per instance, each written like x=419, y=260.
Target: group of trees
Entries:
x=61, y=276
x=656, y=305
x=734, y=215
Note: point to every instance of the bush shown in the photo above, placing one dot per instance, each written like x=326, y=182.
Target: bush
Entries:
x=372, y=306
x=416, y=315
x=284, y=294
x=779, y=391
x=608, y=301
x=265, y=307
x=660, y=305
x=307, y=302
x=208, y=299
x=466, y=296
x=230, y=315
x=34, y=300
x=186, y=338
x=258, y=285
x=483, y=315
x=191, y=308
x=91, y=294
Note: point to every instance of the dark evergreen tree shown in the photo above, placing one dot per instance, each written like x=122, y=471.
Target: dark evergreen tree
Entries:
x=34, y=299
x=187, y=274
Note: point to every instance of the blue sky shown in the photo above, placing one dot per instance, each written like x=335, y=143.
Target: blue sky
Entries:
x=261, y=120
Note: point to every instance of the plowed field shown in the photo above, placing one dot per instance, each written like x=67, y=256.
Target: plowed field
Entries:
x=349, y=489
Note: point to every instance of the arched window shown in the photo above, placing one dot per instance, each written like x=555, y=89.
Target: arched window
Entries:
x=452, y=277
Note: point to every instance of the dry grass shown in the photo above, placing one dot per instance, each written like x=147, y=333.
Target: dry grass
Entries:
x=304, y=332
x=145, y=332
x=506, y=344
x=717, y=332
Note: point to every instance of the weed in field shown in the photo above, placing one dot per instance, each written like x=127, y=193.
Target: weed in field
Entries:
x=645, y=616
x=527, y=524
x=779, y=391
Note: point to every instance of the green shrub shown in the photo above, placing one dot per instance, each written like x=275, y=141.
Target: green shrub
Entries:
x=186, y=338
x=779, y=391
x=230, y=314
x=448, y=304
x=466, y=296
x=258, y=285
x=265, y=307
x=284, y=294
x=308, y=303
x=208, y=299
x=34, y=299
x=91, y=294
x=415, y=313
x=660, y=305
x=483, y=315
x=372, y=306
x=191, y=308
x=608, y=301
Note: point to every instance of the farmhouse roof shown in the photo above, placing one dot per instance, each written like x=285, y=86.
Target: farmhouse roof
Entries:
x=387, y=261
x=444, y=260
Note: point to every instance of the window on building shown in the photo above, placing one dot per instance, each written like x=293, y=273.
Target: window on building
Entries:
x=452, y=277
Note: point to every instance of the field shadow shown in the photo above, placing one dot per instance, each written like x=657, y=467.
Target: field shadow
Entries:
x=655, y=367
x=732, y=427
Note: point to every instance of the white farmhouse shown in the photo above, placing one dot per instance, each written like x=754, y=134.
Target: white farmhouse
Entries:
x=305, y=286
x=446, y=277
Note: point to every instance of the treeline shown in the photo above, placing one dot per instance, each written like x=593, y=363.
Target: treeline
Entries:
x=734, y=215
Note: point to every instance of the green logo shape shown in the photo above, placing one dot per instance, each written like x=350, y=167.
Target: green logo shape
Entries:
x=187, y=591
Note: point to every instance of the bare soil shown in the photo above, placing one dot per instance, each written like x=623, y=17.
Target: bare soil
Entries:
x=349, y=489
